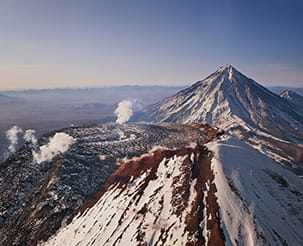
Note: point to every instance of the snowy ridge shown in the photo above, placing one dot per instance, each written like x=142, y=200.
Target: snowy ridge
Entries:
x=163, y=205
x=114, y=220
x=37, y=199
x=231, y=101
x=231, y=196
x=260, y=202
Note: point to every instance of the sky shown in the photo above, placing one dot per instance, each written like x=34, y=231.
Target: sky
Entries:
x=73, y=43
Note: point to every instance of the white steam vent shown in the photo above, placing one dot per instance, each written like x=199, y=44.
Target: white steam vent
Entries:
x=123, y=111
x=12, y=136
x=59, y=143
x=29, y=136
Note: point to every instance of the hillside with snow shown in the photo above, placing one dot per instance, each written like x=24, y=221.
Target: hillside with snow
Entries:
x=231, y=101
x=147, y=184
x=222, y=193
x=45, y=184
x=260, y=202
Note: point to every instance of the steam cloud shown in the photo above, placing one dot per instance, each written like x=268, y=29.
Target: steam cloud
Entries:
x=12, y=136
x=123, y=111
x=59, y=143
x=29, y=136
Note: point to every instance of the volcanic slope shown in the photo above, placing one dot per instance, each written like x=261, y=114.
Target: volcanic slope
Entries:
x=231, y=101
x=149, y=184
x=36, y=199
x=233, y=195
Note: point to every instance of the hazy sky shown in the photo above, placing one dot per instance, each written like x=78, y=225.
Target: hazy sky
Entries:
x=64, y=43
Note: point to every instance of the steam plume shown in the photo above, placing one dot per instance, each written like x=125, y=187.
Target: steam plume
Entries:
x=12, y=136
x=123, y=111
x=29, y=136
x=59, y=143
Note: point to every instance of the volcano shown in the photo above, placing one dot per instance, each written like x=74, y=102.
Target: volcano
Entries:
x=237, y=104
x=166, y=183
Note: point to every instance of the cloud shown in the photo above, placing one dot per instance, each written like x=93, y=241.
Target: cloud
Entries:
x=12, y=136
x=123, y=111
x=29, y=136
x=59, y=143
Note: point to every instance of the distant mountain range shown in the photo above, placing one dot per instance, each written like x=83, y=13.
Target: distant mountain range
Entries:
x=5, y=100
x=280, y=89
x=294, y=98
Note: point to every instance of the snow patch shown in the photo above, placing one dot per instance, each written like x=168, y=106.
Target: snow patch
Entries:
x=253, y=194
x=120, y=217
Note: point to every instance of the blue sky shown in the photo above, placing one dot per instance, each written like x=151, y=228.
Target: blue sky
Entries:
x=71, y=43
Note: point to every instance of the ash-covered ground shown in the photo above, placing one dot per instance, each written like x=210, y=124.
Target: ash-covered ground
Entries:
x=36, y=199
